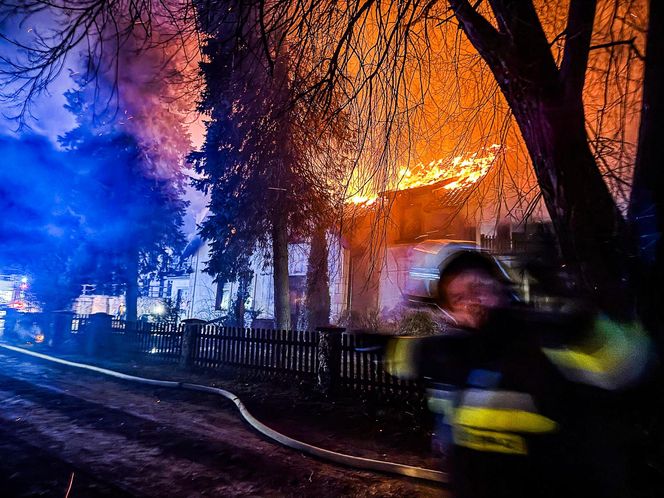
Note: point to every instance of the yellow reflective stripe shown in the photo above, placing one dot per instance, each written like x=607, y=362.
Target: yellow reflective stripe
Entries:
x=496, y=419
x=496, y=442
x=400, y=358
x=613, y=350
x=601, y=363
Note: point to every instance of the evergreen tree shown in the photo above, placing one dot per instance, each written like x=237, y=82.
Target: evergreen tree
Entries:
x=135, y=215
x=258, y=162
x=43, y=225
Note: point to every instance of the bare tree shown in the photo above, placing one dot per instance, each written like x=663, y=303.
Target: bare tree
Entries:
x=539, y=56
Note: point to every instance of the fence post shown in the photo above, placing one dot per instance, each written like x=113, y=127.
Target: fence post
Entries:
x=97, y=333
x=329, y=358
x=191, y=328
x=9, y=328
x=60, y=328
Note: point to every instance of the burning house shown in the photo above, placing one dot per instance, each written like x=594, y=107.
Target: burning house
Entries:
x=381, y=237
x=384, y=233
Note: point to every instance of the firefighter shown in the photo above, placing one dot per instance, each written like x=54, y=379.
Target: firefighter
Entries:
x=505, y=379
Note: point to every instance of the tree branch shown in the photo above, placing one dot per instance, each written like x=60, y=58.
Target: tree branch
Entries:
x=631, y=43
x=519, y=20
x=481, y=33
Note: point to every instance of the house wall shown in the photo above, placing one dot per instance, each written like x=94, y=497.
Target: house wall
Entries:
x=381, y=239
x=180, y=285
x=202, y=288
x=202, y=292
x=98, y=303
x=338, y=264
x=393, y=277
x=262, y=290
x=365, y=269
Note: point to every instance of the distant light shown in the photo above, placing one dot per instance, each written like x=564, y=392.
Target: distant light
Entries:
x=159, y=309
x=24, y=280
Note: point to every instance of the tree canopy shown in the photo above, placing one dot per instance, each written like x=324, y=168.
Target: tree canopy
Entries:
x=266, y=160
x=564, y=79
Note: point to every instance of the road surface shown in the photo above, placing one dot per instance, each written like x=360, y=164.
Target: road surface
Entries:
x=64, y=428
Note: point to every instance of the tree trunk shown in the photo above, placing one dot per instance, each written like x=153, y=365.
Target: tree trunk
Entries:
x=131, y=294
x=318, y=286
x=646, y=211
x=590, y=229
x=239, y=308
x=282, y=312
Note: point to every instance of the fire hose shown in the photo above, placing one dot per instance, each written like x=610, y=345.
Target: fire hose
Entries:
x=321, y=453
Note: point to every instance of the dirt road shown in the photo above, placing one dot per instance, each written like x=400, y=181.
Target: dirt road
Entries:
x=121, y=439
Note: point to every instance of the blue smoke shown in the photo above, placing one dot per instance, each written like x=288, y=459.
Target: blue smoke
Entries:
x=73, y=217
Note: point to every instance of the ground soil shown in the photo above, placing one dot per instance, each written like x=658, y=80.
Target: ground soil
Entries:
x=121, y=439
x=349, y=423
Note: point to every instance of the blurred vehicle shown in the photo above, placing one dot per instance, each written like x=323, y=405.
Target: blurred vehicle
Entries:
x=430, y=257
x=534, y=280
x=21, y=327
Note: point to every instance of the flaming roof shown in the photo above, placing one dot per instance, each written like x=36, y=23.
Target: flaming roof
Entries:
x=455, y=177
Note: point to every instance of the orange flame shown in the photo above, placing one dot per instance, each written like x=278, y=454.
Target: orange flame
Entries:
x=461, y=172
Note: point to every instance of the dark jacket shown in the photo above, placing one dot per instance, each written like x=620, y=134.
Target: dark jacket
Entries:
x=520, y=427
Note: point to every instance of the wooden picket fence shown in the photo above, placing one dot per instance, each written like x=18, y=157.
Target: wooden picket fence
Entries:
x=158, y=341
x=270, y=351
x=364, y=371
x=273, y=353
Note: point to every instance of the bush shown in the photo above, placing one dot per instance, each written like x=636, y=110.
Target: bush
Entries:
x=399, y=321
x=371, y=320
x=419, y=323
